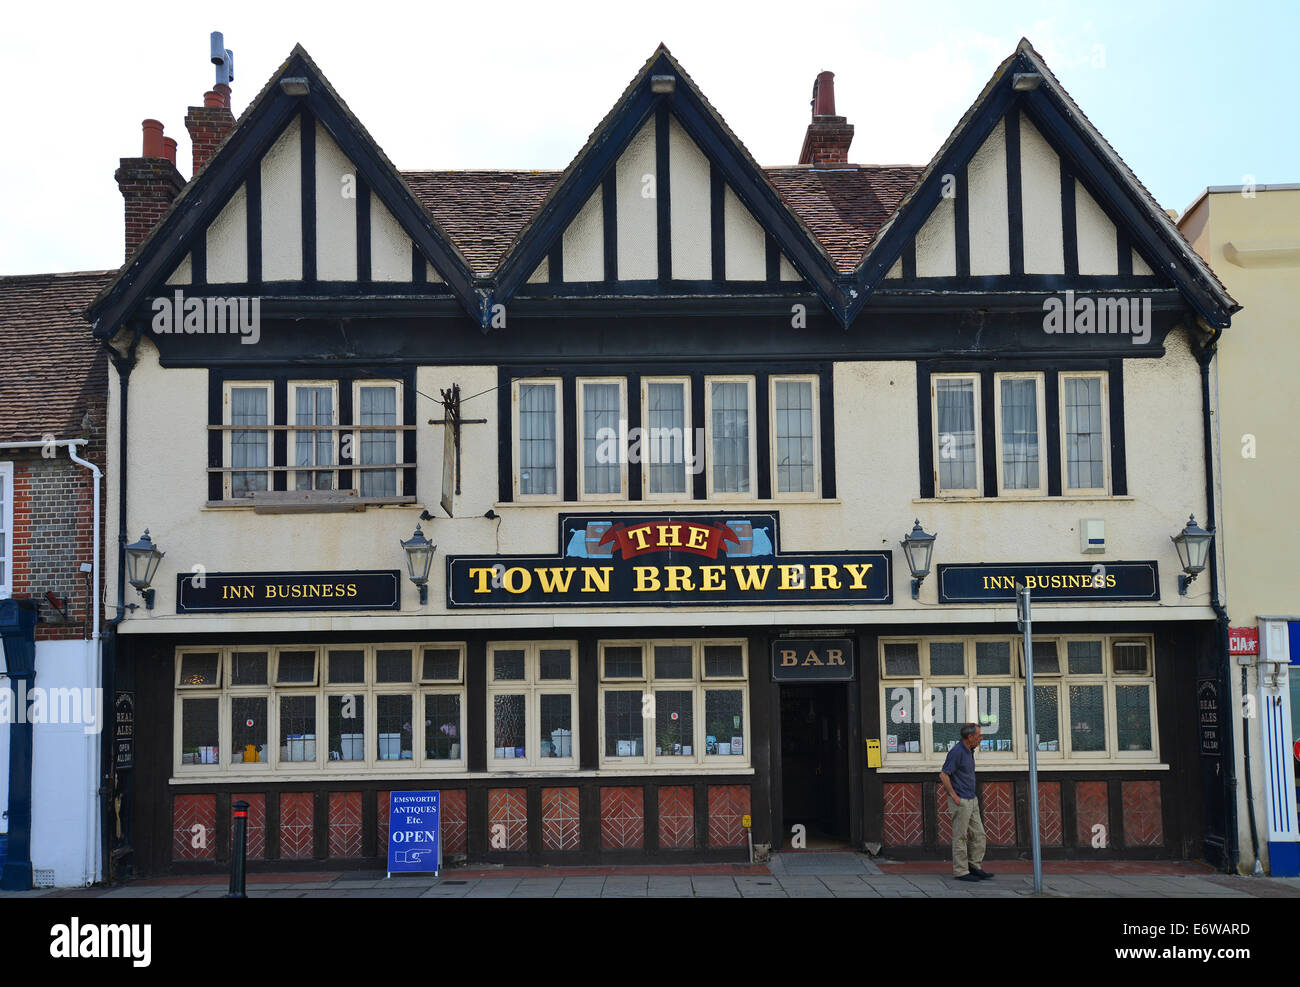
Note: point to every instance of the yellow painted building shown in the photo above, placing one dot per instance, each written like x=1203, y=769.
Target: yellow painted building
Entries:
x=1251, y=237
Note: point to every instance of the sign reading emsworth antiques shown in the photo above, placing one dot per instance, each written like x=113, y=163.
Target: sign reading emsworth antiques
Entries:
x=234, y=592
x=677, y=559
x=1048, y=581
x=812, y=660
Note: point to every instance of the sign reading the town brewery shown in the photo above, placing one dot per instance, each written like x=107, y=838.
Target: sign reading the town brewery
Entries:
x=261, y=592
x=414, y=833
x=668, y=559
x=1049, y=582
x=812, y=660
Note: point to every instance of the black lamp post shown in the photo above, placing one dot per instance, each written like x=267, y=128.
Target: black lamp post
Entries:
x=419, y=556
x=918, y=547
x=1193, y=544
x=142, y=560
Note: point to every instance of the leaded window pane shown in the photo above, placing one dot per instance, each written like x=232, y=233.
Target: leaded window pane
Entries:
x=1133, y=717
x=955, y=398
x=674, y=724
x=1047, y=718
x=442, y=727
x=673, y=661
x=537, y=446
x=555, y=664
x=1083, y=433
x=724, y=722
x=903, y=719
x=1020, y=433
x=664, y=444
x=199, y=731
x=297, y=728
x=393, y=665
x=730, y=408
x=347, y=666
x=947, y=658
x=724, y=661
x=393, y=727
x=248, y=729
x=296, y=668
x=441, y=665
x=200, y=669
x=248, y=668
x=509, y=726
x=601, y=454
x=508, y=666
x=1087, y=718
x=992, y=657
x=1084, y=657
x=347, y=719
x=555, y=713
x=623, y=724
x=623, y=662
x=902, y=658
x=793, y=401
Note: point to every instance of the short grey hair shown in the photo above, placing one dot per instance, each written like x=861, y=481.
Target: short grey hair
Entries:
x=969, y=730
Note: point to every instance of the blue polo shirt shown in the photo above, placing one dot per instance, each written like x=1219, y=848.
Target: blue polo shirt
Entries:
x=960, y=767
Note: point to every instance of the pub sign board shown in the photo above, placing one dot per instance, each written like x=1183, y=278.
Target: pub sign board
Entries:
x=124, y=730
x=1207, y=716
x=1049, y=582
x=812, y=660
x=669, y=560
x=270, y=592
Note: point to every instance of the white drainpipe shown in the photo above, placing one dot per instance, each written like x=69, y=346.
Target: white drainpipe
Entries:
x=92, y=857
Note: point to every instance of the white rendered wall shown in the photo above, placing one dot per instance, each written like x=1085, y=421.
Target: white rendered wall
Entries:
x=336, y=213
x=282, y=206
x=689, y=200
x=1040, y=202
x=638, y=240
x=227, y=242
x=583, y=245
x=986, y=188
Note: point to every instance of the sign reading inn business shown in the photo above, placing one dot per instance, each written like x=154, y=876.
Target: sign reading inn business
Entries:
x=678, y=559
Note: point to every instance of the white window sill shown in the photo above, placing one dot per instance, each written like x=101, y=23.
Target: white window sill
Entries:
x=1014, y=499
x=922, y=767
x=381, y=774
x=351, y=504
x=660, y=505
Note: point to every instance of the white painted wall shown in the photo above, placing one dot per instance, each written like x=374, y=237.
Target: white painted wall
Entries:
x=336, y=213
x=936, y=243
x=282, y=206
x=745, y=246
x=1096, y=235
x=638, y=241
x=689, y=206
x=390, y=247
x=1040, y=202
x=183, y=273
x=227, y=242
x=986, y=188
x=583, y=245
x=877, y=480
x=543, y=272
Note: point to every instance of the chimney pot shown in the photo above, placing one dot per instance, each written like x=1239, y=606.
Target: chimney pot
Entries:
x=826, y=142
x=153, y=139
x=169, y=149
x=824, y=95
x=209, y=124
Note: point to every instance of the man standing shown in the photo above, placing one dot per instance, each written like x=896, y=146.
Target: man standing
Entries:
x=958, y=780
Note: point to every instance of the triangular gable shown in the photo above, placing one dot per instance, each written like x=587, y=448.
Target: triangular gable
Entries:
x=651, y=133
x=1044, y=130
x=217, y=196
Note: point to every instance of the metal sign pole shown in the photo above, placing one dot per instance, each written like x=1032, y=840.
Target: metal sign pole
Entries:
x=1025, y=621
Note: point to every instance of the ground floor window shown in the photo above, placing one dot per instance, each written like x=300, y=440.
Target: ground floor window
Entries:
x=1094, y=698
x=284, y=709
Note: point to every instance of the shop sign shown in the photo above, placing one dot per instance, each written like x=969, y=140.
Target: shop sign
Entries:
x=124, y=730
x=268, y=592
x=1207, y=714
x=1048, y=582
x=812, y=660
x=414, y=833
x=669, y=560
x=1243, y=640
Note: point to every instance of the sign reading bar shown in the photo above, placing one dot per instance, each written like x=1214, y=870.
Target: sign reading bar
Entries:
x=668, y=559
x=265, y=592
x=1049, y=581
x=414, y=833
x=812, y=660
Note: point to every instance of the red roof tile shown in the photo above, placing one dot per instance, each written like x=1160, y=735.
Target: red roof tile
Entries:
x=49, y=363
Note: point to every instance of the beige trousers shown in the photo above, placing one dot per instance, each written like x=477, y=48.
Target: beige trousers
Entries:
x=967, y=836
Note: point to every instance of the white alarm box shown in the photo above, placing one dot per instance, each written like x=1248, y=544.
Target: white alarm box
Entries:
x=1092, y=536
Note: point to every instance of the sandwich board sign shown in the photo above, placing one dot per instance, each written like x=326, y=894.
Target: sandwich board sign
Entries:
x=414, y=833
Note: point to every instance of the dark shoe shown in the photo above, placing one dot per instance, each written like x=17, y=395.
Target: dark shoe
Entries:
x=972, y=877
x=983, y=875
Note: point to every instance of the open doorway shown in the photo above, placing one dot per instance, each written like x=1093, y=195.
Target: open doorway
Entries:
x=815, y=764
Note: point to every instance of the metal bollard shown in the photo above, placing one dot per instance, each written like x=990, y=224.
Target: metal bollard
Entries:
x=239, y=850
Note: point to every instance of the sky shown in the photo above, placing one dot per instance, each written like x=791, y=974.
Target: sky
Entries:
x=1190, y=93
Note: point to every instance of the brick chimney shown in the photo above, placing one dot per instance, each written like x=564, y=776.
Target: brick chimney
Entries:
x=826, y=144
x=148, y=183
x=209, y=124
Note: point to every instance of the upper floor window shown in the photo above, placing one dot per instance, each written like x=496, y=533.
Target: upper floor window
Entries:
x=667, y=442
x=312, y=435
x=957, y=451
x=731, y=439
x=537, y=429
x=1083, y=432
x=1019, y=428
x=6, y=529
x=602, y=409
x=794, y=436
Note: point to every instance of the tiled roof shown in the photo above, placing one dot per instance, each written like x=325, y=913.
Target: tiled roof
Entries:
x=49, y=363
x=845, y=207
x=483, y=211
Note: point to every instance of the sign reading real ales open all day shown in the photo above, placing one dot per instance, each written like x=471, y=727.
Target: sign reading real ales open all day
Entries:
x=1048, y=582
x=237, y=592
x=668, y=559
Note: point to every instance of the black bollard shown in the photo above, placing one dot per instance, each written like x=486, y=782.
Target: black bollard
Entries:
x=239, y=850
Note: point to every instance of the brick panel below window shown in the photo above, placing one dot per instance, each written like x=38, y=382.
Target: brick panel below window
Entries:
x=1051, y=829
x=1143, y=825
x=1092, y=808
x=622, y=818
x=676, y=817
x=507, y=819
x=297, y=825
x=902, y=815
x=727, y=803
x=998, y=811
x=194, y=827
x=345, y=824
x=560, y=825
x=255, y=832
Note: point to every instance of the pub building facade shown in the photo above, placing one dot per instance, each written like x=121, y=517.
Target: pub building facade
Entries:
x=579, y=496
